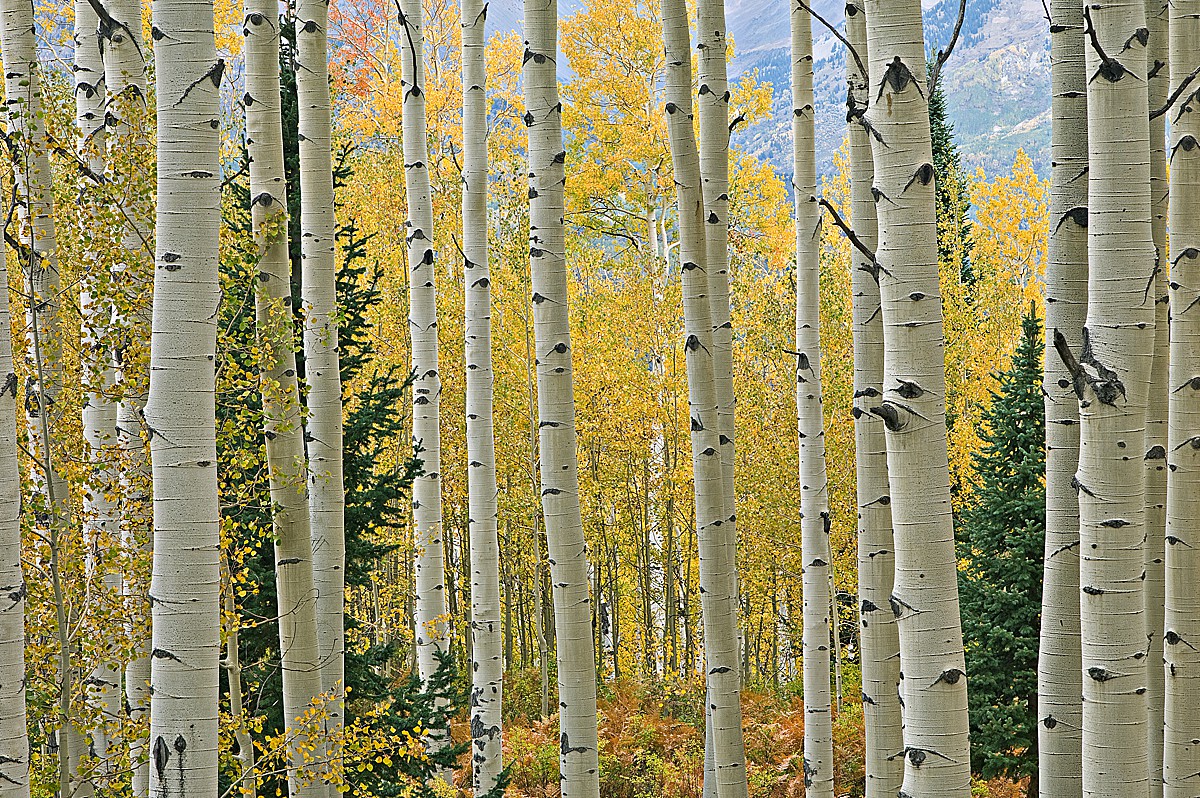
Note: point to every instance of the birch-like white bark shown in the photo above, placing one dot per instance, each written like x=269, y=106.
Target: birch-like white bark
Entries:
x=323, y=427
x=432, y=626
x=1181, y=705
x=1060, y=712
x=1112, y=379
x=578, y=749
x=282, y=427
x=815, y=552
x=878, y=637
x=925, y=593
x=487, y=673
x=181, y=407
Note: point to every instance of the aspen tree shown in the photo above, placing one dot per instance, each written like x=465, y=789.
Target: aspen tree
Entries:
x=125, y=120
x=181, y=410
x=1111, y=375
x=431, y=620
x=14, y=738
x=816, y=554
x=1181, y=754
x=876, y=557
x=726, y=767
x=723, y=710
x=487, y=673
x=99, y=416
x=282, y=428
x=925, y=593
x=579, y=754
x=1060, y=713
x=323, y=427
x=1158, y=80
x=37, y=253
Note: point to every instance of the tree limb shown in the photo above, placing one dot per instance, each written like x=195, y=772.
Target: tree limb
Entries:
x=943, y=54
x=846, y=42
x=847, y=230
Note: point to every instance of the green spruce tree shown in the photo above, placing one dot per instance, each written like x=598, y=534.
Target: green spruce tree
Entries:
x=953, y=190
x=1000, y=539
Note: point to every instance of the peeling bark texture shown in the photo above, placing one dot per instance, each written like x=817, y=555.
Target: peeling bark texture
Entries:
x=816, y=554
x=1060, y=713
x=879, y=640
x=1181, y=753
x=99, y=416
x=1111, y=374
x=282, y=427
x=180, y=411
x=726, y=761
x=432, y=627
x=14, y=739
x=1157, y=86
x=722, y=706
x=323, y=427
x=578, y=752
x=125, y=122
x=925, y=594
x=487, y=675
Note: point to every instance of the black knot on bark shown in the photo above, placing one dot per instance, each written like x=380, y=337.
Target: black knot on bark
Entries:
x=560, y=347
x=671, y=108
x=1049, y=722
x=1092, y=590
x=1172, y=637
x=1099, y=674
x=869, y=606
x=528, y=119
x=890, y=416
x=692, y=343
x=950, y=676
x=910, y=390
x=162, y=754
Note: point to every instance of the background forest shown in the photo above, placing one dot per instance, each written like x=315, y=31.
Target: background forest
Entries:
x=631, y=401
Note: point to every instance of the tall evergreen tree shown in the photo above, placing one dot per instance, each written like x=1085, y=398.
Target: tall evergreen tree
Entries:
x=953, y=196
x=1000, y=538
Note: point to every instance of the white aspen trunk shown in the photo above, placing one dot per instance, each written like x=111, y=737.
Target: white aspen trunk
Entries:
x=126, y=120
x=1060, y=712
x=14, y=738
x=282, y=427
x=925, y=593
x=34, y=191
x=1158, y=81
x=579, y=754
x=878, y=638
x=1181, y=754
x=815, y=551
x=99, y=417
x=232, y=665
x=487, y=673
x=181, y=409
x=432, y=626
x=722, y=707
x=728, y=756
x=1112, y=379
x=323, y=428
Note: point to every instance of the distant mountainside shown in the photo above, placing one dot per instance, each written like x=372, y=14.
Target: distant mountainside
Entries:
x=997, y=82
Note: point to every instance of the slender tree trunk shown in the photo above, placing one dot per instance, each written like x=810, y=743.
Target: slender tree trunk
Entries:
x=816, y=554
x=1158, y=81
x=1060, y=712
x=432, y=633
x=1181, y=755
x=724, y=751
x=879, y=641
x=578, y=760
x=323, y=428
x=126, y=119
x=282, y=427
x=925, y=593
x=232, y=665
x=180, y=411
x=1112, y=378
x=487, y=677
x=14, y=738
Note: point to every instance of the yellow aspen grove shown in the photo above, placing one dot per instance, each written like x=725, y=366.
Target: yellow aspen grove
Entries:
x=579, y=766
x=1111, y=373
x=876, y=556
x=924, y=598
x=487, y=671
x=180, y=410
x=816, y=554
x=1060, y=712
x=1181, y=699
x=1158, y=79
x=282, y=429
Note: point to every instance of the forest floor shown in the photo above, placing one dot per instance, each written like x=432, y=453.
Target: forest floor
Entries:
x=652, y=742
